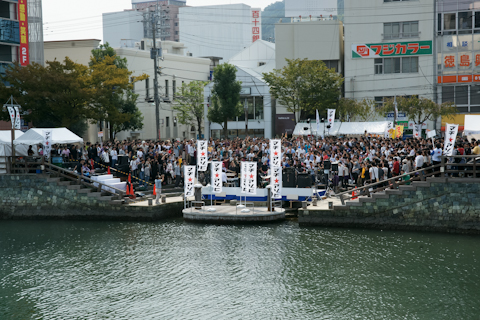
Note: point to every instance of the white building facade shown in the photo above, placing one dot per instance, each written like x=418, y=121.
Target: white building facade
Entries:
x=389, y=49
x=255, y=96
x=220, y=30
x=176, y=69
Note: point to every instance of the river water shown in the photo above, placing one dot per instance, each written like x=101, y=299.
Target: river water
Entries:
x=177, y=270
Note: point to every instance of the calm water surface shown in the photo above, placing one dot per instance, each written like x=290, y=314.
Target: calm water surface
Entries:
x=176, y=270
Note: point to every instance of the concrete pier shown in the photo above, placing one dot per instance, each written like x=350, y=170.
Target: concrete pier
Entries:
x=232, y=215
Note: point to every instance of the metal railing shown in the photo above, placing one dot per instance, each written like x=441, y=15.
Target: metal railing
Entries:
x=26, y=166
x=444, y=168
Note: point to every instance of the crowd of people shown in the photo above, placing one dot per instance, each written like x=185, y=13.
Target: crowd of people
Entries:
x=356, y=160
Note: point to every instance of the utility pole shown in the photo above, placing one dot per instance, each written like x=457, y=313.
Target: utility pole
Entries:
x=154, y=56
x=435, y=67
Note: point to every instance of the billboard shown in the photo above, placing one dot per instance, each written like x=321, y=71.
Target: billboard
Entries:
x=314, y=8
x=23, y=20
x=392, y=49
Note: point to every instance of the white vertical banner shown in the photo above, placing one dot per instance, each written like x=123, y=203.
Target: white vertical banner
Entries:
x=251, y=177
x=202, y=155
x=317, y=120
x=47, y=143
x=217, y=176
x=11, y=111
x=451, y=131
x=275, y=153
x=276, y=181
x=243, y=177
x=331, y=119
x=189, y=175
x=417, y=131
x=18, y=124
x=389, y=127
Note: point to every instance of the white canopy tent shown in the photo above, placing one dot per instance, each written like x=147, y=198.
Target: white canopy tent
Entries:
x=341, y=128
x=472, y=126
x=6, y=147
x=59, y=136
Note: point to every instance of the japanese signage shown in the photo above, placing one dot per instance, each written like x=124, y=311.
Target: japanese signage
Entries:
x=11, y=111
x=22, y=18
x=202, y=155
x=256, y=24
x=243, y=177
x=277, y=183
x=47, y=143
x=395, y=49
x=217, y=176
x=451, y=131
x=18, y=124
x=389, y=127
x=417, y=130
x=331, y=119
x=251, y=177
x=189, y=180
x=275, y=153
x=399, y=131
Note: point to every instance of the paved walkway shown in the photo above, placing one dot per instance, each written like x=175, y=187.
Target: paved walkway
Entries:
x=145, y=202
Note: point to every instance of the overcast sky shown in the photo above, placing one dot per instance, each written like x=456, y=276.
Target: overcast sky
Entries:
x=70, y=20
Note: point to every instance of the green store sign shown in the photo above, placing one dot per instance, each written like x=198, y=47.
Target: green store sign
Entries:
x=393, y=49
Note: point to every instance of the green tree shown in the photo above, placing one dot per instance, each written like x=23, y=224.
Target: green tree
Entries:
x=366, y=110
x=347, y=109
x=225, y=96
x=189, y=104
x=304, y=86
x=271, y=15
x=111, y=79
x=57, y=95
x=419, y=109
x=127, y=105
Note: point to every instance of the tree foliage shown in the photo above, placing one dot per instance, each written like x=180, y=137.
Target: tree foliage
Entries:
x=418, y=109
x=271, y=15
x=305, y=86
x=57, y=95
x=113, y=90
x=356, y=110
x=225, y=96
x=189, y=104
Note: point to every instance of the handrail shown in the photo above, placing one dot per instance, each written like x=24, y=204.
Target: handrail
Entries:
x=390, y=179
x=82, y=177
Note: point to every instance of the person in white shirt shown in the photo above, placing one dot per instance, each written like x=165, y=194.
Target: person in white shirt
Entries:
x=373, y=170
x=436, y=154
x=419, y=161
x=114, y=155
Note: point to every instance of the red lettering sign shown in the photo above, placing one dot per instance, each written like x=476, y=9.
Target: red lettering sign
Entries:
x=477, y=60
x=22, y=17
x=465, y=60
x=388, y=49
x=255, y=14
x=449, y=61
x=256, y=30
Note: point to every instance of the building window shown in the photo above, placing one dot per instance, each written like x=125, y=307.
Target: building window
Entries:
x=465, y=20
x=448, y=94
x=396, y=0
x=449, y=21
x=396, y=30
x=166, y=89
x=378, y=66
x=174, y=88
x=254, y=107
x=475, y=95
x=167, y=121
x=176, y=32
x=147, y=89
x=396, y=65
x=477, y=20
x=461, y=95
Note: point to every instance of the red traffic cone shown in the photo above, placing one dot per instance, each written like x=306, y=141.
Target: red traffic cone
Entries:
x=129, y=178
x=108, y=171
x=154, y=190
x=354, y=194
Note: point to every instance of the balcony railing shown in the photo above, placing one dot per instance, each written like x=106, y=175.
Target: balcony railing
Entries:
x=403, y=35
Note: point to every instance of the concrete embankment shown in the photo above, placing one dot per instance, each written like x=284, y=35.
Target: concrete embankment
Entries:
x=438, y=204
x=39, y=197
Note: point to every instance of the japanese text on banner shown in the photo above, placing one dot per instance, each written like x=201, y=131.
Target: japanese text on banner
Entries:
x=202, y=155
x=217, y=176
x=251, y=177
x=47, y=143
x=451, y=131
x=189, y=181
x=277, y=183
x=275, y=153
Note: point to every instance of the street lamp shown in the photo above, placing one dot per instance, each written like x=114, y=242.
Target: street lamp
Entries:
x=245, y=108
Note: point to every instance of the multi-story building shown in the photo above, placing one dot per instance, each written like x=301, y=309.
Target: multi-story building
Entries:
x=389, y=49
x=458, y=53
x=21, y=36
x=220, y=30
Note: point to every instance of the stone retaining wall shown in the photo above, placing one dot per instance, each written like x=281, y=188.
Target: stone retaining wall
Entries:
x=445, y=205
x=34, y=197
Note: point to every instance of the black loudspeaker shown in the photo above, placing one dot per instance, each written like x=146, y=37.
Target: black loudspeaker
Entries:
x=327, y=164
x=122, y=160
x=288, y=178
x=304, y=180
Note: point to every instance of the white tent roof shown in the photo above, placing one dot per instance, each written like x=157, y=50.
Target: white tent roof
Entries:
x=59, y=136
x=472, y=124
x=341, y=128
x=6, y=136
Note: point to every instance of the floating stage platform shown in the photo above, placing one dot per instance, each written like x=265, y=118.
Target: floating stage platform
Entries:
x=232, y=214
